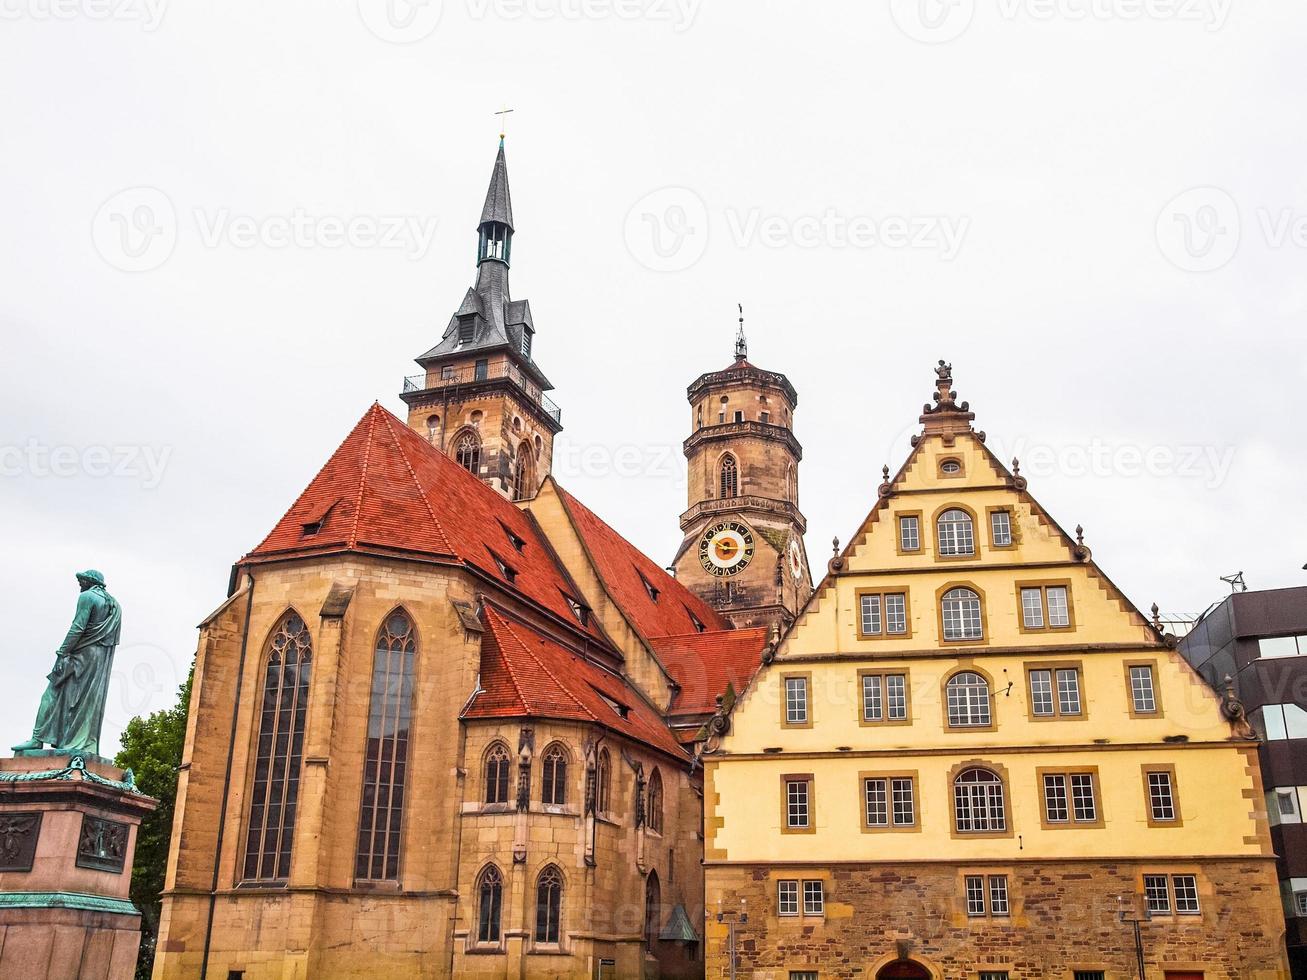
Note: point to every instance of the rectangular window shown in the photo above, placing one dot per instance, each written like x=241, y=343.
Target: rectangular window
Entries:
x=1083, y=804
x=481, y=370
x=871, y=622
x=1068, y=691
x=877, y=795
x=1041, y=693
x=1045, y=701
x=1032, y=609
x=1157, y=894
x=739, y=416
x=803, y=975
x=1000, y=525
x=1055, y=799
x=1300, y=903
x=1141, y=689
x=814, y=898
x=1185, y=888
x=909, y=533
x=890, y=801
x=1280, y=646
x=787, y=897
x=884, y=697
x=1070, y=797
x=993, y=975
x=764, y=418
x=975, y=894
x=896, y=612
x=796, y=700
x=796, y=803
x=1286, y=803
x=1161, y=796
x=903, y=799
x=1089, y=975
x=1059, y=611
x=998, y=895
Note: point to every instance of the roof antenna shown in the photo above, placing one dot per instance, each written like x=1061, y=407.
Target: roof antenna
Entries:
x=741, y=345
x=1235, y=582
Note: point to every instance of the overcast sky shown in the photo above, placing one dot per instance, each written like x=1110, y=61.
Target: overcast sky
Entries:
x=228, y=227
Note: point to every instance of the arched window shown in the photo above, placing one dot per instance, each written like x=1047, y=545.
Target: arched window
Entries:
x=385, y=760
x=549, y=905
x=967, y=694
x=497, y=769
x=604, y=793
x=433, y=427
x=729, y=481
x=490, y=906
x=467, y=452
x=522, y=482
x=978, y=802
x=274, y=794
x=653, y=903
x=960, y=609
x=956, y=534
x=655, y=804
x=553, y=786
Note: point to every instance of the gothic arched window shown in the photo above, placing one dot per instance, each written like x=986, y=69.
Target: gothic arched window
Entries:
x=729, y=480
x=978, y=805
x=490, y=906
x=467, y=452
x=274, y=794
x=385, y=760
x=553, y=786
x=956, y=534
x=549, y=905
x=497, y=770
x=522, y=482
x=653, y=902
x=604, y=791
x=654, y=809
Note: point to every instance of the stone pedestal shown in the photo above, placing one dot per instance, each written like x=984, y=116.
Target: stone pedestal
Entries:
x=67, y=836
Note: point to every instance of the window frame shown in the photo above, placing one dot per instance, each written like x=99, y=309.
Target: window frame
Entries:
x=554, y=911
x=1011, y=528
x=948, y=724
x=1043, y=585
x=820, y=906
x=943, y=461
x=899, y=517
x=978, y=641
x=986, y=878
x=1130, y=691
x=1005, y=798
x=810, y=827
x=1071, y=822
x=882, y=593
x=482, y=879
x=883, y=673
x=806, y=677
x=781, y=884
x=1148, y=769
x=889, y=777
x=935, y=522
x=507, y=780
x=1052, y=667
x=554, y=756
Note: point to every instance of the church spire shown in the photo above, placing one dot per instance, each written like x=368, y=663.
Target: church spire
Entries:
x=741, y=344
x=496, y=225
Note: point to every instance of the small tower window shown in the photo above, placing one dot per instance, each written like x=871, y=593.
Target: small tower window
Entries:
x=466, y=330
x=739, y=416
x=765, y=418
x=729, y=481
x=433, y=427
x=467, y=452
x=481, y=371
x=526, y=343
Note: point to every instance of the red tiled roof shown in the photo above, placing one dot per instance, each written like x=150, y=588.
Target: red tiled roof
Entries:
x=620, y=566
x=387, y=489
x=704, y=663
x=527, y=674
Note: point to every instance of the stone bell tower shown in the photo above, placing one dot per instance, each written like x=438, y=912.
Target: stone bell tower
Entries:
x=481, y=398
x=743, y=548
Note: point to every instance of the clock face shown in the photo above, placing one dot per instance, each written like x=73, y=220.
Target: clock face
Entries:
x=796, y=560
x=726, y=548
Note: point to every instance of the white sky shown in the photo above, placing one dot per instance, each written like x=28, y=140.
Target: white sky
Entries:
x=1055, y=143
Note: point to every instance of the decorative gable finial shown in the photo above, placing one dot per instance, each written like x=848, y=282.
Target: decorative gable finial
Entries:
x=1082, y=550
x=836, y=563
x=1234, y=711
x=886, y=488
x=741, y=344
x=1018, y=481
x=1157, y=618
x=946, y=416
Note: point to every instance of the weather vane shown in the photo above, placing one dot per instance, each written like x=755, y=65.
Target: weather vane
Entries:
x=503, y=122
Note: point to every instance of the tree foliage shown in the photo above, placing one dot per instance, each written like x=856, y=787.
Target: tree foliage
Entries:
x=152, y=749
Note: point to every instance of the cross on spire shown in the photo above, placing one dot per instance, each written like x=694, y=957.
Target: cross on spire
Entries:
x=741, y=344
x=502, y=115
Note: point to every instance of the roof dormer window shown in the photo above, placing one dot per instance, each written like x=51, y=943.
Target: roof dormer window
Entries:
x=698, y=624
x=579, y=609
x=467, y=329
x=506, y=570
x=650, y=588
x=519, y=545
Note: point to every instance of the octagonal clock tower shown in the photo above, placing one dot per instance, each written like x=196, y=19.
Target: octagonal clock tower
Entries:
x=743, y=548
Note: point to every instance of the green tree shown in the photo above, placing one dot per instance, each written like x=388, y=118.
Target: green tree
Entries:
x=152, y=749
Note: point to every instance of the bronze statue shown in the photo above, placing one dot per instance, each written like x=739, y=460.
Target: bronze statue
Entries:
x=71, y=712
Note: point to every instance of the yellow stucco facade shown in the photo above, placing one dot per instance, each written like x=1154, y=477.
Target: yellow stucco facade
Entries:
x=959, y=575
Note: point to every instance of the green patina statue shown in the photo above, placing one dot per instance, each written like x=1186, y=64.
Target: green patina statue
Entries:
x=72, y=709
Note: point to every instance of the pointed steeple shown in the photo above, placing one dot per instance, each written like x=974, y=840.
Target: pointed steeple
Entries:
x=499, y=206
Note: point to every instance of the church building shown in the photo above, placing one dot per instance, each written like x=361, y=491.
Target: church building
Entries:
x=444, y=723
